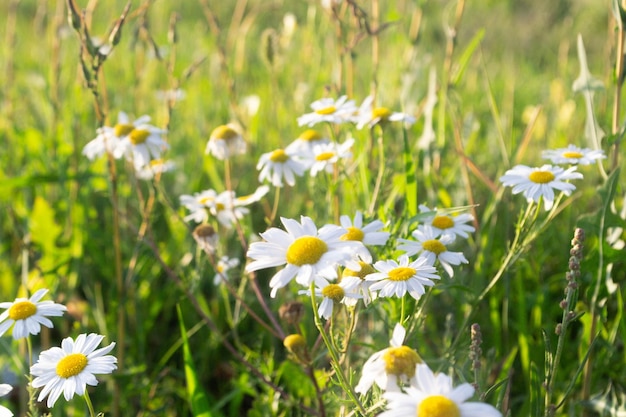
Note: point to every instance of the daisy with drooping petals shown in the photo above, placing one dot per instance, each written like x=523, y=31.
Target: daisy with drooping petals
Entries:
x=333, y=294
x=224, y=265
x=304, y=144
x=198, y=204
x=4, y=390
x=206, y=237
x=141, y=142
x=310, y=255
x=538, y=183
x=329, y=110
x=29, y=314
x=431, y=248
x=368, y=234
x=70, y=368
x=225, y=141
x=398, y=278
x=154, y=168
x=109, y=138
x=446, y=224
x=573, y=155
x=370, y=116
x=433, y=395
x=326, y=156
x=390, y=367
x=278, y=165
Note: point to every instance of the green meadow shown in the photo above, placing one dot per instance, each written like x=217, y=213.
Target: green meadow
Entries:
x=526, y=309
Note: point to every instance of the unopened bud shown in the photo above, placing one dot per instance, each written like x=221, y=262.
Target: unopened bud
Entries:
x=296, y=345
x=73, y=16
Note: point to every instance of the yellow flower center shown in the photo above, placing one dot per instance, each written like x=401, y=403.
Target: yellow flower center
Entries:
x=324, y=156
x=279, y=155
x=354, y=233
x=306, y=250
x=294, y=341
x=434, y=246
x=22, y=310
x=219, y=207
x=224, y=132
x=366, y=269
x=442, y=222
x=438, y=406
x=310, y=135
x=71, y=365
x=573, y=155
x=541, y=177
x=206, y=200
x=138, y=136
x=401, y=361
x=122, y=130
x=402, y=273
x=326, y=110
x=334, y=292
x=381, y=113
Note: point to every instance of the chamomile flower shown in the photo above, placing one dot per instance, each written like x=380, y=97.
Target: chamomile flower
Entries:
x=4, y=390
x=225, y=141
x=153, y=168
x=538, y=183
x=370, y=116
x=433, y=249
x=390, y=367
x=198, y=204
x=28, y=315
x=70, y=368
x=329, y=110
x=434, y=395
x=398, y=278
x=280, y=165
x=362, y=286
x=332, y=294
x=224, y=265
x=368, y=235
x=141, y=142
x=447, y=224
x=108, y=138
x=326, y=156
x=310, y=255
x=206, y=237
x=303, y=145
x=573, y=155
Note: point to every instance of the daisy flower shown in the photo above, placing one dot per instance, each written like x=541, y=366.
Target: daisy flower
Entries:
x=224, y=265
x=310, y=255
x=326, y=156
x=573, y=155
x=388, y=367
x=368, y=234
x=70, y=368
x=431, y=248
x=140, y=142
x=434, y=395
x=445, y=224
x=362, y=286
x=4, y=390
x=303, y=145
x=225, y=141
x=109, y=138
x=153, y=168
x=537, y=183
x=333, y=294
x=228, y=209
x=398, y=278
x=29, y=314
x=278, y=165
x=329, y=110
x=198, y=204
x=206, y=237
x=368, y=115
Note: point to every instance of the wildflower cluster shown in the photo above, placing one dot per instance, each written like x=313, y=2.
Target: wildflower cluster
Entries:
x=66, y=370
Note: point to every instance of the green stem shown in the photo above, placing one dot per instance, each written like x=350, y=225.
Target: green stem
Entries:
x=381, y=172
x=333, y=355
x=92, y=412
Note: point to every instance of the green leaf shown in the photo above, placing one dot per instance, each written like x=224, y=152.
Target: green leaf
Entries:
x=195, y=395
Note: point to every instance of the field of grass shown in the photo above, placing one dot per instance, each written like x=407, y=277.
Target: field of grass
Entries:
x=533, y=320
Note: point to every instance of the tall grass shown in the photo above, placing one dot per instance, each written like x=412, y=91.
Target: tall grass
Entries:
x=490, y=84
